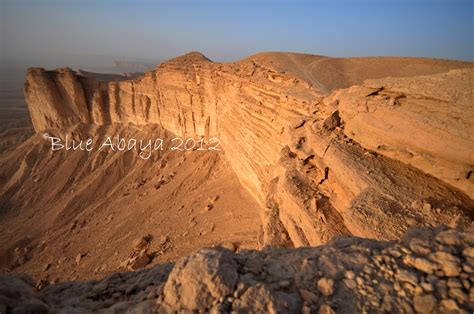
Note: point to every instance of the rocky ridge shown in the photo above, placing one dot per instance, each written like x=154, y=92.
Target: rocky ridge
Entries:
x=430, y=270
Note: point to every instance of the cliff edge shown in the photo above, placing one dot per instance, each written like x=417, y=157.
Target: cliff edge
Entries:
x=320, y=161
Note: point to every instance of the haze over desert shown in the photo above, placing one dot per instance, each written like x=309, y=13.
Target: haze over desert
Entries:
x=272, y=182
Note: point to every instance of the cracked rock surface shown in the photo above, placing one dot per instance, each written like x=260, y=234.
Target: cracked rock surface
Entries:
x=430, y=270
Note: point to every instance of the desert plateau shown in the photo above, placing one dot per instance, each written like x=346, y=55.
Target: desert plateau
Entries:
x=280, y=182
x=304, y=162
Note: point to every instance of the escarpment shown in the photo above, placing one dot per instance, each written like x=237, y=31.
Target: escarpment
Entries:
x=369, y=160
x=189, y=96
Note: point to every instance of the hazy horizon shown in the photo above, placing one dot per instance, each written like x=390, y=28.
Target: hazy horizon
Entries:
x=55, y=33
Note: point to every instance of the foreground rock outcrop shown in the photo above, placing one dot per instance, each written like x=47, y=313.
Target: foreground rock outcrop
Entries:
x=430, y=270
x=320, y=161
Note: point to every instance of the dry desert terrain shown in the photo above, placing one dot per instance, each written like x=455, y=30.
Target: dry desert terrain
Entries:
x=337, y=185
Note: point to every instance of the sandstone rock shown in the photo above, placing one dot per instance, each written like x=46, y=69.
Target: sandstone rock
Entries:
x=139, y=260
x=468, y=236
x=142, y=243
x=458, y=295
x=449, y=264
x=332, y=121
x=424, y=303
x=427, y=286
x=421, y=264
x=260, y=299
x=298, y=122
x=230, y=246
x=163, y=240
x=326, y=309
x=427, y=207
x=200, y=278
x=420, y=247
x=140, y=255
x=349, y=274
x=468, y=252
x=448, y=238
x=406, y=276
x=449, y=306
x=208, y=207
x=20, y=256
x=391, y=142
x=78, y=258
x=275, y=281
x=454, y=283
x=326, y=286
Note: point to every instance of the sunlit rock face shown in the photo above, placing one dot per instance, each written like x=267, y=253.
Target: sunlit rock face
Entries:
x=189, y=96
x=369, y=160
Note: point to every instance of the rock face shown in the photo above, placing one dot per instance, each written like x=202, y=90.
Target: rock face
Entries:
x=319, y=163
x=189, y=96
x=198, y=280
x=423, y=121
x=344, y=170
x=430, y=270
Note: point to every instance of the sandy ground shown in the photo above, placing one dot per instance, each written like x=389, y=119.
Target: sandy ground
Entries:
x=54, y=207
x=58, y=205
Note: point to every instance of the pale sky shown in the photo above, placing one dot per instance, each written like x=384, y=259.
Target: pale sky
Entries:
x=81, y=31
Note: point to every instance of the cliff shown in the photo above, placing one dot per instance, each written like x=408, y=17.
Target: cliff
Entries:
x=309, y=154
x=189, y=96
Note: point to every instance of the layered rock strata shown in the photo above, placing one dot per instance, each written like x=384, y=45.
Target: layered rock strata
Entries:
x=320, y=164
